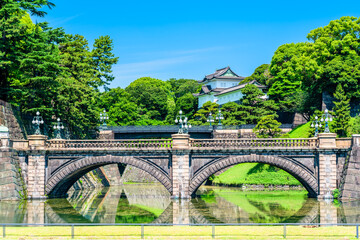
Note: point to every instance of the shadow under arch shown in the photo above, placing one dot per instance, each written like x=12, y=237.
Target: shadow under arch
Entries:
x=67, y=174
x=296, y=169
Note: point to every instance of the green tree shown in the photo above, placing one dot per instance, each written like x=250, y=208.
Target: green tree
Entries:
x=103, y=60
x=294, y=74
x=188, y=104
x=267, y=127
x=180, y=87
x=77, y=101
x=121, y=110
x=261, y=74
x=231, y=114
x=341, y=121
x=76, y=104
x=12, y=32
x=35, y=86
x=355, y=127
x=202, y=114
x=154, y=98
x=336, y=50
x=253, y=106
x=77, y=61
x=331, y=58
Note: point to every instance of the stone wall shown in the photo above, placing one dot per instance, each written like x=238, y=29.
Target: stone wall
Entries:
x=93, y=179
x=10, y=117
x=12, y=185
x=350, y=181
x=136, y=175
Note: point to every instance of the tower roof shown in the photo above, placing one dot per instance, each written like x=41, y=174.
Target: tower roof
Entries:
x=223, y=73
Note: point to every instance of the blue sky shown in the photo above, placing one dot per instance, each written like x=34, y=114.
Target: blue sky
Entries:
x=189, y=39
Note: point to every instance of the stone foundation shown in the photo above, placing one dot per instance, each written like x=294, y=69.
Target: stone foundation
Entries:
x=12, y=186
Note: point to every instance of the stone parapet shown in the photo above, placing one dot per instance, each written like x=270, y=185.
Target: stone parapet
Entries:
x=37, y=142
x=327, y=140
x=180, y=141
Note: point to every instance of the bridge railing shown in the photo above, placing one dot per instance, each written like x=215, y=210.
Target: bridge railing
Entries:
x=255, y=142
x=95, y=144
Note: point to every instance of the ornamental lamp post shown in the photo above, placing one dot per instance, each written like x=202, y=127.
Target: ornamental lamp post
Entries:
x=210, y=119
x=317, y=124
x=326, y=117
x=103, y=117
x=37, y=120
x=182, y=120
x=58, y=127
x=219, y=117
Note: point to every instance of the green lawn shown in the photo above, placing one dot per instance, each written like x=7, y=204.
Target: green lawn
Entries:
x=181, y=232
x=255, y=174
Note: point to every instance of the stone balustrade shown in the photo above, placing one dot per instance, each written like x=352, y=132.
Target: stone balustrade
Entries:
x=255, y=142
x=193, y=143
x=106, y=144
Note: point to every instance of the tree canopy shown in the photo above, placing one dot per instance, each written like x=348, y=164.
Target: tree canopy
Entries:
x=306, y=70
x=44, y=69
x=261, y=75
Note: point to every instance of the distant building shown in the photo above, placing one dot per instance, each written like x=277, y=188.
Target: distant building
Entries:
x=223, y=87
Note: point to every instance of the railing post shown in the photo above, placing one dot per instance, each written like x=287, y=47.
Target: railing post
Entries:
x=72, y=231
x=4, y=233
x=213, y=231
x=142, y=231
x=284, y=230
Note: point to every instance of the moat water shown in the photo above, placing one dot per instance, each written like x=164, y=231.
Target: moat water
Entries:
x=137, y=203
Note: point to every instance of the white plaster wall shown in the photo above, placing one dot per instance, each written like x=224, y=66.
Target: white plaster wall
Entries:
x=204, y=98
x=229, y=97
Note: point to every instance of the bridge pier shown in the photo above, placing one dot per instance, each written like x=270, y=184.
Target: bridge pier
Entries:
x=181, y=214
x=36, y=167
x=327, y=165
x=180, y=167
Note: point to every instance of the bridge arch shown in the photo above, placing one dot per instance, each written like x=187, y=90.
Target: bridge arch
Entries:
x=296, y=169
x=67, y=174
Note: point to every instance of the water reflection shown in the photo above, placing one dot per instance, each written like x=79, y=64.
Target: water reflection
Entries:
x=152, y=204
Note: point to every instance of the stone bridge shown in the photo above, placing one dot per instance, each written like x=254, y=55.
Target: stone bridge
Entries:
x=182, y=164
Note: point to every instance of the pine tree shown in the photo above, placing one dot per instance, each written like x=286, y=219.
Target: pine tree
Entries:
x=103, y=60
x=341, y=121
x=253, y=106
x=267, y=127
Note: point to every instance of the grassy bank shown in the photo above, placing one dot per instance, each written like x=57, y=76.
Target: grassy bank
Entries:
x=255, y=174
x=301, y=131
x=181, y=232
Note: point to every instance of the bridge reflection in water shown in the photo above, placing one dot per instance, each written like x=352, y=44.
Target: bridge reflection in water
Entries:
x=152, y=204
